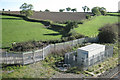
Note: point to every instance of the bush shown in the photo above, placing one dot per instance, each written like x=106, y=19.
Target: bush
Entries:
x=108, y=34
x=88, y=16
x=97, y=72
x=103, y=12
x=96, y=11
x=73, y=70
x=70, y=25
x=72, y=35
x=80, y=22
x=26, y=46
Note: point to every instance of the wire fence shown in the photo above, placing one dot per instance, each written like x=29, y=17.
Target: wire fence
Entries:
x=37, y=55
x=71, y=58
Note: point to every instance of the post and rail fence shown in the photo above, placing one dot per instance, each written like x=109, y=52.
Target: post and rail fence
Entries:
x=37, y=55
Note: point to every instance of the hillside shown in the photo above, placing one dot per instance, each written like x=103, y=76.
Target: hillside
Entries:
x=15, y=29
x=90, y=28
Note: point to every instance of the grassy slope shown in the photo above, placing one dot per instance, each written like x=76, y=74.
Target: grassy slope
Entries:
x=91, y=27
x=114, y=13
x=18, y=30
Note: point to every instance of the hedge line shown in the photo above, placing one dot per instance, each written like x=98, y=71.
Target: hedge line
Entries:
x=112, y=15
x=45, y=22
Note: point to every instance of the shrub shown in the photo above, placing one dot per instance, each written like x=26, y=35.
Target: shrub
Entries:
x=70, y=25
x=76, y=35
x=80, y=22
x=108, y=34
x=96, y=11
x=97, y=72
x=103, y=12
x=72, y=70
x=88, y=16
x=26, y=46
x=72, y=35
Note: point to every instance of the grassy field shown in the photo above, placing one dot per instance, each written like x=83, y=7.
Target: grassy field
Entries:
x=90, y=28
x=113, y=14
x=15, y=29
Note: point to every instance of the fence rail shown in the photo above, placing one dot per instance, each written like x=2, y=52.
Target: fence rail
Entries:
x=37, y=55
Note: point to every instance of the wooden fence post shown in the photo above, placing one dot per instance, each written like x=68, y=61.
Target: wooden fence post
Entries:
x=33, y=57
x=64, y=45
x=0, y=58
x=54, y=47
x=43, y=53
x=23, y=58
x=72, y=43
x=6, y=58
x=77, y=41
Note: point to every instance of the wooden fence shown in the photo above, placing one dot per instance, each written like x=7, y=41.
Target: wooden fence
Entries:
x=37, y=55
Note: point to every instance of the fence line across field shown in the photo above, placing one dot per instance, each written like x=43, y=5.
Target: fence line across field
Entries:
x=37, y=55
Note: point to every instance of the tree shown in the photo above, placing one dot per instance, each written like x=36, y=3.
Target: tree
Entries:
x=84, y=8
x=99, y=11
x=74, y=9
x=9, y=10
x=61, y=10
x=70, y=25
x=103, y=10
x=95, y=11
x=47, y=10
x=26, y=9
x=88, y=16
x=3, y=9
x=88, y=9
x=68, y=9
x=40, y=10
x=108, y=33
x=69, y=31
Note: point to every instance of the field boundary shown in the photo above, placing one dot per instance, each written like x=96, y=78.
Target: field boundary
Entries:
x=44, y=22
x=37, y=55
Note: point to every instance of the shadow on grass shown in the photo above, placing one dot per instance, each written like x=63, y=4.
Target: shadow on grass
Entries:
x=12, y=18
x=53, y=34
x=60, y=30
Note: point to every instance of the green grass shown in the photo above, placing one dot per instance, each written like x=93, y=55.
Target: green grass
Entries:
x=113, y=14
x=15, y=29
x=37, y=70
x=90, y=28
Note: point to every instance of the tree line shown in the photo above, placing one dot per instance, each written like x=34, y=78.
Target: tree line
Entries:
x=68, y=9
x=27, y=10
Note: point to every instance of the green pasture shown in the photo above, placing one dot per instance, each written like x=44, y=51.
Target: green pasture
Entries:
x=90, y=28
x=15, y=29
x=117, y=14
